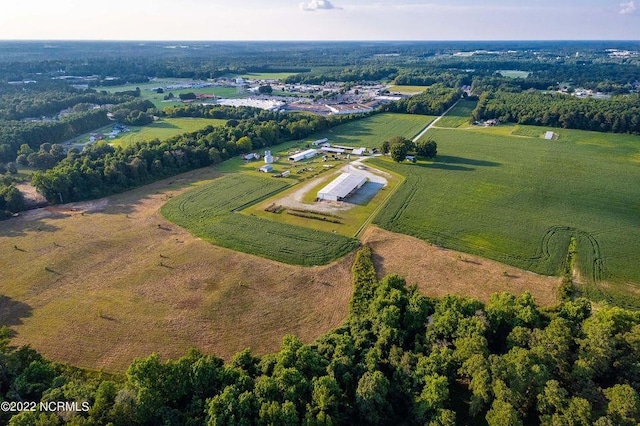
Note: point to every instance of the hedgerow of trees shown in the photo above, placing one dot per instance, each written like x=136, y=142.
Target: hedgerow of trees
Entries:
x=619, y=114
x=101, y=169
x=399, y=358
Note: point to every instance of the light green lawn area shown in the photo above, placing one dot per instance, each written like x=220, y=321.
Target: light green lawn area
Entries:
x=407, y=90
x=267, y=75
x=519, y=199
x=514, y=73
x=459, y=115
x=164, y=129
x=372, y=131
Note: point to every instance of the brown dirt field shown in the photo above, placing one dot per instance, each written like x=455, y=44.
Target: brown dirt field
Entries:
x=97, y=284
x=437, y=271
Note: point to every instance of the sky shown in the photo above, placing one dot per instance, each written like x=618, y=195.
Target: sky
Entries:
x=320, y=20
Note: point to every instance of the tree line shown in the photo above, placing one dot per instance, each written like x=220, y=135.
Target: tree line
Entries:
x=434, y=100
x=101, y=169
x=399, y=358
x=620, y=114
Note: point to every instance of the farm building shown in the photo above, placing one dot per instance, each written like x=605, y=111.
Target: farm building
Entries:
x=550, y=135
x=341, y=187
x=266, y=168
x=268, y=158
x=331, y=149
x=320, y=142
x=303, y=155
x=359, y=151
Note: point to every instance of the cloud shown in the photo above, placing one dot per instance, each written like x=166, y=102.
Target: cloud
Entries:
x=313, y=5
x=627, y=7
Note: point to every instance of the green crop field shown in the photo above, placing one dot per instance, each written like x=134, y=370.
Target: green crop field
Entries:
x=372, y=131
x=210, y=212
x=164, y=129
x=519, y=200
x=459, y=115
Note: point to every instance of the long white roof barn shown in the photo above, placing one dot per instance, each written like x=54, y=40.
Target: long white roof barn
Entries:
x=341, y=187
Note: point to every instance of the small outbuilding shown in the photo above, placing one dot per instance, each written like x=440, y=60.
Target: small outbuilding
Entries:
x=341, y=187
x=267, y=168
x=550, y=135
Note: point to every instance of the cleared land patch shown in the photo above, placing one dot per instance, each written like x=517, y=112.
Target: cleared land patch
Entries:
x=372, y=131
x=98, y=283
x=211, y=213
x=519, y=200
x=407, y=90
x=459, y=115
x=164, y=129
x=438, y=271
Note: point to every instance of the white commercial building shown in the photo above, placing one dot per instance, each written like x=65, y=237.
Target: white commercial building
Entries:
x=303, y=155
x=341, y=187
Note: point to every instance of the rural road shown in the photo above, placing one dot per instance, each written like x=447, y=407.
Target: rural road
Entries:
x=434, y=122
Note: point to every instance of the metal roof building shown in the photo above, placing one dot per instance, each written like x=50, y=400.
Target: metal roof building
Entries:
x=341, y=187
x=303, y=155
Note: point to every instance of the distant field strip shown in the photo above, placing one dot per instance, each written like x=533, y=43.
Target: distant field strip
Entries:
x=520, y=200
x=372, y=131
x=210, y=213
x=164, y=129
x=459, y=115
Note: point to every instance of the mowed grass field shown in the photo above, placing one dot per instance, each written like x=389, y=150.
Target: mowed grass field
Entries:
x=519, y=200
x=407, y=90
x=458, y=116
x=212, y=213
x=98, y=283
x=372, y=131
x=164, y=129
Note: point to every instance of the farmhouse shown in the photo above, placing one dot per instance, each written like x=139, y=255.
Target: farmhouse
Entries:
x=341, y=187
x=303, y=155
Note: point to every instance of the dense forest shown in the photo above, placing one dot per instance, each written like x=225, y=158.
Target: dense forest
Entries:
x=434, y=100
x=399, y=359
x=619, y=114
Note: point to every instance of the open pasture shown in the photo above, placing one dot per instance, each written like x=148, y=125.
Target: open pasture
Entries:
x=519, y=200
x=372, y=131
x=267, y=75
x=407, y=90
x=99, y=283
x=164, y=129
x=211, y=213
x=459, y=115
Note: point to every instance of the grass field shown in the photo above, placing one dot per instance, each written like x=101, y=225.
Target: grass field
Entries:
x=211, y=213
x=267, y=75
x=459, y=116
x=372, y=131
x=514, y=73
x=164, y=129
x=98, y=283
x=407, y=90
x=519, y=200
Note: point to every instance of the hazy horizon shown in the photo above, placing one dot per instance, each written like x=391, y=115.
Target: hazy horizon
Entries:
x=321, y=20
